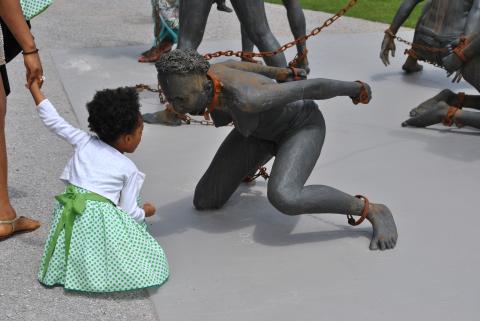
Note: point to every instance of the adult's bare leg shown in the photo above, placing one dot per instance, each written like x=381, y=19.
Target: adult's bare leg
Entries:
x=236, y=158
x=7, y=213
x=193, y=20
x=296, y=19
x=294, y=162
x=253, y=18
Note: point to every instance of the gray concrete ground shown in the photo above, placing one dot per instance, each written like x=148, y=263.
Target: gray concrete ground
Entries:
x=36, y=158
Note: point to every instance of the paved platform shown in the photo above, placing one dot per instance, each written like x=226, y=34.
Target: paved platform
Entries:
x=249, y=262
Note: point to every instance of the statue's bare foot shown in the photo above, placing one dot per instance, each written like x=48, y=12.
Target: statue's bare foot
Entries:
x=411, y=66
x=445, y=95
x=384, y=229
x=163, y=117
x=432, y=116
x=303, y=64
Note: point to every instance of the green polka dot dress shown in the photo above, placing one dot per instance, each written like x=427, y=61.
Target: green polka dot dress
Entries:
x=109, y=252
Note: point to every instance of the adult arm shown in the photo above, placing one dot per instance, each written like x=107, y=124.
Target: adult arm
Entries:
x=277, y=95
x=12, y=15
x=388, y=43
x=277, y=73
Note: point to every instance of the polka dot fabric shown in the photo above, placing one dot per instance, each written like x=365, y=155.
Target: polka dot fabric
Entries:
x=32, y=8
x=109, y=252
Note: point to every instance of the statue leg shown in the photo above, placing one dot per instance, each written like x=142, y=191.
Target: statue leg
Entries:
x=251, y=14
x=247, y=44
x=296, y=19
x=294, y=162
x=434, y=110
x=193, y=20
x=237, y=157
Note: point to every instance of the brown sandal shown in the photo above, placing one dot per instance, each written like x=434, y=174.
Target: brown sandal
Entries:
x=153, y=54
x=19, y=229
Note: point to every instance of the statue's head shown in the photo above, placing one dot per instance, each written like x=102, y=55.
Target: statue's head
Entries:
x=182, y=75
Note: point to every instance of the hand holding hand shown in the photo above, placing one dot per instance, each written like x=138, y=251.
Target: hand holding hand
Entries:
x=149, y=209
x=34, y=69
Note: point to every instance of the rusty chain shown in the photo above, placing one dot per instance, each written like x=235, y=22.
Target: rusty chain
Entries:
x=250, y=55
x=411, y=51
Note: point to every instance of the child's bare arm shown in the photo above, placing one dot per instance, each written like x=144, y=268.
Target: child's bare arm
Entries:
x=37, y=94
x=277, y=73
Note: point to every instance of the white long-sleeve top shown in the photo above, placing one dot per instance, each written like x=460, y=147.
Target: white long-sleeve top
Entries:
x=95, y=165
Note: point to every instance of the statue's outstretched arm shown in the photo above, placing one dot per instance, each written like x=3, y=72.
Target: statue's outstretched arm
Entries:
x=270, y=96
x=277, y=73
x=388, y=43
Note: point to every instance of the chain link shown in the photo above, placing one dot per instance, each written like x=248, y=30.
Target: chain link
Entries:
x=413, y=46
x=250, y=55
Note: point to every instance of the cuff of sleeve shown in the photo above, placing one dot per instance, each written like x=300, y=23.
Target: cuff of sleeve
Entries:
x=44, y=103
x=140, y=215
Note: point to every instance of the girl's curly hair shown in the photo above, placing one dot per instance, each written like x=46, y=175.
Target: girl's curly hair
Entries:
x=113, y=112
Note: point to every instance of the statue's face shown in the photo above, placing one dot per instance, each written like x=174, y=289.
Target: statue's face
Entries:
x=185, y=92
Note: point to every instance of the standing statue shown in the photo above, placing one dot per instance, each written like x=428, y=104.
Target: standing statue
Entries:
x=252, y=16
x=446, y=35
x=270, y=119
x=296, y=19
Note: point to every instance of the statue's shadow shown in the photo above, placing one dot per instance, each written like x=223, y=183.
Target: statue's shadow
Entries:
x=449, y=145
x=248, y=207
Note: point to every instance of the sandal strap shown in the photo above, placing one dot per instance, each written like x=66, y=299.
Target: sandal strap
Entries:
x=11, y=221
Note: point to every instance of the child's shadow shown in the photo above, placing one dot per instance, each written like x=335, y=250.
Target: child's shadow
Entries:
x=251, y=208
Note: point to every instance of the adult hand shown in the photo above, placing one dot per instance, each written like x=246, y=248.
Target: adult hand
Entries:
x=34, y=69
x=388, y=46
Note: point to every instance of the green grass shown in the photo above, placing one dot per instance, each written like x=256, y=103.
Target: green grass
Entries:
x=374, y=10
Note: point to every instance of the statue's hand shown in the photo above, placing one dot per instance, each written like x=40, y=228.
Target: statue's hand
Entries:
x=388, y=45
x=452, y=63
x=364, y=95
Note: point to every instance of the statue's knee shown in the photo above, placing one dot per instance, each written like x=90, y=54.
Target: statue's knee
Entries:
x=206, y=201
x=283, y=200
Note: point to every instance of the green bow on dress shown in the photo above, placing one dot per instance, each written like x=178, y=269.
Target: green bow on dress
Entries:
x=73, y=204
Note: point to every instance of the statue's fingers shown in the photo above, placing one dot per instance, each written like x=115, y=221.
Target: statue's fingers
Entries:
x=393, y=52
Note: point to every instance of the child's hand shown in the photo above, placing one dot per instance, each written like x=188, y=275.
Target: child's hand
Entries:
x=149, y=209
x=36, y=92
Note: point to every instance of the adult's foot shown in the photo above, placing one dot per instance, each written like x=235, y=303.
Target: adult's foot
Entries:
x=163, y=117
x=445, y=95
x=303, y=64
x=384, y=229
x=11, y=224
x=153, y=54
x=411, y=65
x=432, y=116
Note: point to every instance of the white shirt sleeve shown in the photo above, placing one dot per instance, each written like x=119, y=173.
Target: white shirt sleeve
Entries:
x=53, y=121
x=129, y=195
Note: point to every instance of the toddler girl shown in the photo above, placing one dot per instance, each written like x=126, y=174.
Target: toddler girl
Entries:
x=98, y=241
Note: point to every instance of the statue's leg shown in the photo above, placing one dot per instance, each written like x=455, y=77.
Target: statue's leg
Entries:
x=237, y=157
x=294, y=161
x=445, y=95
x=434, y=110
x=251, y=14
x=193, y=19
x=411, y=65
x=296, y=19
x=247, y=44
